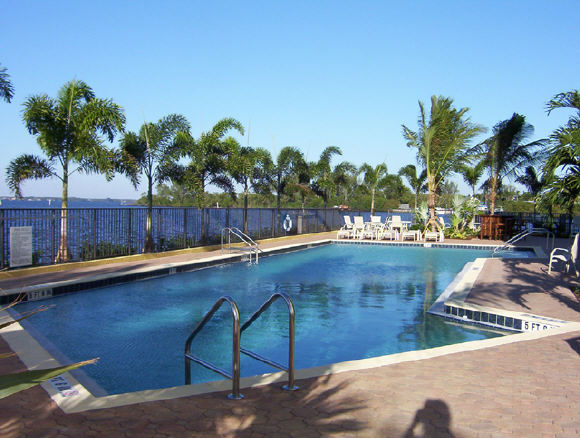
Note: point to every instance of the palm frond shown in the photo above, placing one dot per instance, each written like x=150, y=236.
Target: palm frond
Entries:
x=27, y=167
x=6, y=87
x=570, y=99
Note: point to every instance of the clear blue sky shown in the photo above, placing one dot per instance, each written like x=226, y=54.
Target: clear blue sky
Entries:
x=305, y=74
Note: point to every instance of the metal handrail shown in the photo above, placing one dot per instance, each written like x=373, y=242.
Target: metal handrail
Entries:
x=244, y=238
x=291, y=316
x=523, y=234
x=235, y=374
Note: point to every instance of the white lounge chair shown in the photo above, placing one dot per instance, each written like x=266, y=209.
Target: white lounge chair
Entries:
x=385, y=231
x=568, y=256
x=432, y=235
x=375, y=219
x=359, y=226
x=347, y=230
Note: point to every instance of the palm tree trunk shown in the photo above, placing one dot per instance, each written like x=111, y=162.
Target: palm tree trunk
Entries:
x=431, y=199
x=149, y=245
x=62, y=254
x=372, y=202
x=493, y=193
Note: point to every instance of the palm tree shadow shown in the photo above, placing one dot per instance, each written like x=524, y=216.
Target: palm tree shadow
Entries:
x=574, y=344
x=523, y=278
x=319, y=406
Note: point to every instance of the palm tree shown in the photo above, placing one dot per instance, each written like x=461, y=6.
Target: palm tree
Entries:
x=68, y=131
x=562, y=167
x=247, y=166
x=472, y=174
x=6, y=88
x=417, y=182
x=152, y=152
x=441, y=142
x=299, y=182
x=344, y=178
x=373, y=177
x=505, y=155
x=532, y=182
x=209, y=156
x=288, y=165
x=323, y=183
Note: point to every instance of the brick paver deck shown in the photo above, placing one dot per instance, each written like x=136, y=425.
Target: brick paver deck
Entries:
x=523, y=389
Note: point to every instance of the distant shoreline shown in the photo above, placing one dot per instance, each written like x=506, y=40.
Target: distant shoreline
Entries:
x=73, y=202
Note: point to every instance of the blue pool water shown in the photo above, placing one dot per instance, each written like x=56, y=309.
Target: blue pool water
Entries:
x=351, y=301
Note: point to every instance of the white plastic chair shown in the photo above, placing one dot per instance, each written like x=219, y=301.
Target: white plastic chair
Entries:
x=347, y=230
x=385, y=231
x=358, y=226
x=567, y=256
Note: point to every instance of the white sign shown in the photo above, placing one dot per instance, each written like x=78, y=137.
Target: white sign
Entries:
x=63, y=386
x=20, y=246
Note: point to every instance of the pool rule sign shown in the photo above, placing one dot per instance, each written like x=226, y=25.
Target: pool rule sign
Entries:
x=20, y=246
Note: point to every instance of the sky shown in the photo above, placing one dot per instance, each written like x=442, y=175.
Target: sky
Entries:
x=304, y=74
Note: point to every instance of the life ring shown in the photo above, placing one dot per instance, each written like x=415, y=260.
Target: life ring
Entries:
x=287, y=225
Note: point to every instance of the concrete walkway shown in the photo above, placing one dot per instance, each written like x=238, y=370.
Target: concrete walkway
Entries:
x=522, y=389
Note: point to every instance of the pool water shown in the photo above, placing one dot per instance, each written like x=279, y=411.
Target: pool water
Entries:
x=351, y=301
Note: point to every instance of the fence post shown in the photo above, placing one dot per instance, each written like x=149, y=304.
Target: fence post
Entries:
x=52, y=234
x=227, y=217
x=259, y=223
x=2, y=261
x=206, y=212
x=273, y=216
x=94, y=255
x=129, y=225
x=184, y=227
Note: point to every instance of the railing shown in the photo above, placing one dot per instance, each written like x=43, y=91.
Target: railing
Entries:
x=252, y=246
x=96, y=233
x=236, y=348
x=290, y=369
x=522, y=235
x=234, y=376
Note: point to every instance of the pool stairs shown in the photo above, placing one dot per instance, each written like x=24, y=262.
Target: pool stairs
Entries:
x=251, y=246
x=234, y=376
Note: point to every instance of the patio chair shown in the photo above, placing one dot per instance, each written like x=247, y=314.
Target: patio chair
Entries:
x=347, y=230
x=432, y=235
x=385, y=231
x=358, y=226
x=397, y=224
x=368, y=231
x=567, y=256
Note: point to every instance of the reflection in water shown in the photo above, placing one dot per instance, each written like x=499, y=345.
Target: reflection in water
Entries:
x=373, y=294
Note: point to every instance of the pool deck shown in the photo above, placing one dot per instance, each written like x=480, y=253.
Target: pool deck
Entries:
x=526, y=388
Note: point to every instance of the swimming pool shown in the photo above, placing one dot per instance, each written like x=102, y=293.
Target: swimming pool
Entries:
x=352, y=302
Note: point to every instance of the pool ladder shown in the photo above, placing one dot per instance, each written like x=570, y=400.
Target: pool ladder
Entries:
x=234, y=376
x=522, y=235
x=252, y=246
